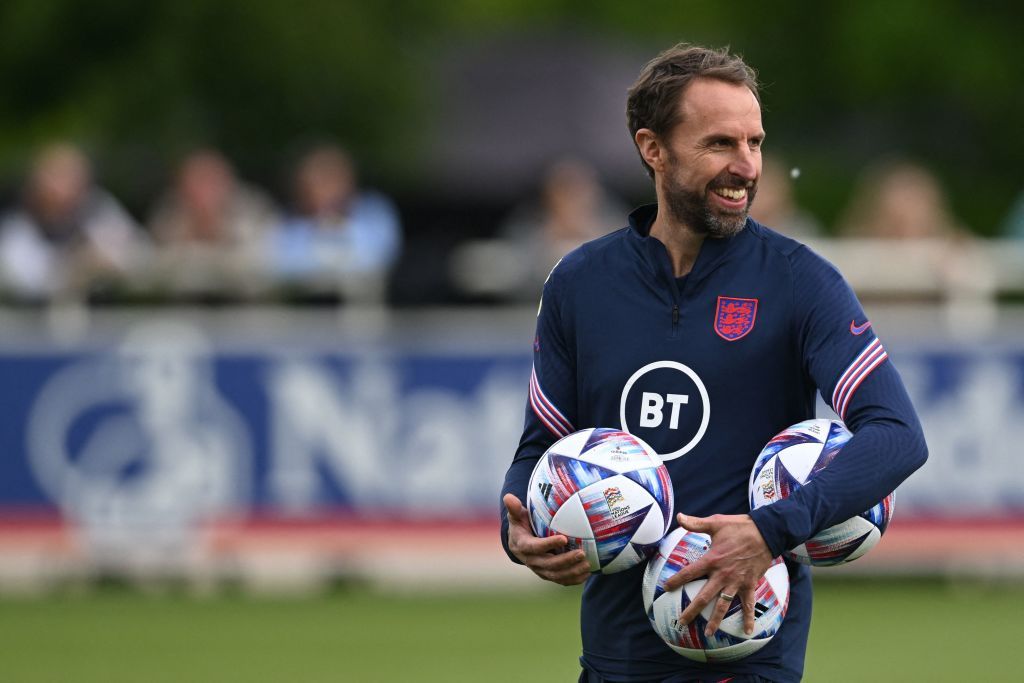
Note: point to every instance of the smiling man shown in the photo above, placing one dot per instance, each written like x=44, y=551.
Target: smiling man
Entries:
x=696, y=305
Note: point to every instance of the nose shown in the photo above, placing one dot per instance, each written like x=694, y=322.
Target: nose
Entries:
x=746, y=163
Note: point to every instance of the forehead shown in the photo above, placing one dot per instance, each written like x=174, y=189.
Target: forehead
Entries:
x=709, y=105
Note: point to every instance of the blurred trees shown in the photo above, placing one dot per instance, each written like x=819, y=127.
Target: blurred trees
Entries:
x=139, y=83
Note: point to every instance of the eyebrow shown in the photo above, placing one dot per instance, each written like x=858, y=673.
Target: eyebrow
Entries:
x=710, y=137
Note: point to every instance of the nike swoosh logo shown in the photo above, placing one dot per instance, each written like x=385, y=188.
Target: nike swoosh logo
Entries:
x=858, y=330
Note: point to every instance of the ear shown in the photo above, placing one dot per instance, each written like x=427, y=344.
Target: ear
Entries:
x=650, y=148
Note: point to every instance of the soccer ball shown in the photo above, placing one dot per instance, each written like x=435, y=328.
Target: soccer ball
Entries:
x=607, y=492
x=730, y=642
x=793, y=458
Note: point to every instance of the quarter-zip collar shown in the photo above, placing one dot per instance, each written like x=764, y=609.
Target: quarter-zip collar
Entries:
x=712, y=254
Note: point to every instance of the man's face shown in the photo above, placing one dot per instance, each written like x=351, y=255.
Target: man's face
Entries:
x=713, y=158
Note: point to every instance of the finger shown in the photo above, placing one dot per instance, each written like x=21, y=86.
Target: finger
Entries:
x=748, y=597
x=699, y=524
x=723, y=602
x=515, y=508
x=562, y=562
x=566, y=568
x=571, y=576
x=568, y=579
x=579, y=577
x=687, y=574
x=699, y=602
x=526, y=543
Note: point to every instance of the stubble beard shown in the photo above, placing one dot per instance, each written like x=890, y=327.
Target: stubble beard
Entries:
x=694, y=209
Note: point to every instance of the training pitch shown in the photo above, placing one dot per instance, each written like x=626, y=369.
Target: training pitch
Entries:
x=864, y=630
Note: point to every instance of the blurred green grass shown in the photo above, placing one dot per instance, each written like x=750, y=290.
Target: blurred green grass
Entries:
x=881, y=630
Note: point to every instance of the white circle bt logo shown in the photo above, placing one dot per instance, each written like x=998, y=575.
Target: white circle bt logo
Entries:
x=664, y=408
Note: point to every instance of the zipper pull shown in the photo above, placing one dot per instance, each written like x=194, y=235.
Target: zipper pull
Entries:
x=675, y=314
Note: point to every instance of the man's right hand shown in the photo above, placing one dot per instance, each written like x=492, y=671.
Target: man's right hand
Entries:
x=544, y=556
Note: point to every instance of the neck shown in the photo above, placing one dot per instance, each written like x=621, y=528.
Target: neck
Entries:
x=682, y=243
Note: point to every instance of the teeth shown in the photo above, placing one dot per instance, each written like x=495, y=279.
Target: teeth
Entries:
x=732, y=193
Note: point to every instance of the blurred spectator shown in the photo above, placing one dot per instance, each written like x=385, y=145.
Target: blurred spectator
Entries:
x=209, y=206
x=341, y=237
x=899, y=200
x=210, y=227
x=775, y=206
x=67, y=233
x=571, y=208
x=926, y=251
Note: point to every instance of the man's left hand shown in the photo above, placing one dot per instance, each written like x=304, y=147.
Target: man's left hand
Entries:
x=734, y=565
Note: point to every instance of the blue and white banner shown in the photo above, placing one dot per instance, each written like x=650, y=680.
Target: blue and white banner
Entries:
x=150, y=435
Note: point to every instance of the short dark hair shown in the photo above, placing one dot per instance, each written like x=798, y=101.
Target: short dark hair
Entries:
x=653, y=99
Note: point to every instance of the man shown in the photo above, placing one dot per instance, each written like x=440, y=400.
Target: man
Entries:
x=705, y=333
x=68, y=234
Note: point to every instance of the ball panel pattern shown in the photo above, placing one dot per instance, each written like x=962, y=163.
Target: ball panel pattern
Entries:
x=681, y=548
x=555, y=479
x=657, y=481
x=835, y=544
x=795, y=457
x=881, y=514
x=607, y=492
x=622, y=440
x=651, y=530
x=867, y=542
x=838, y=435
x=571, y=520
x=630, y=556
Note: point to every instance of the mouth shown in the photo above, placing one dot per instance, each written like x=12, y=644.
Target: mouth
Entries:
x=734, y=193
x=734, y=198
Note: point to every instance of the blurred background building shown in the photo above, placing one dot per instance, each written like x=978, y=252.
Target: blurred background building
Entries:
x=268, y=276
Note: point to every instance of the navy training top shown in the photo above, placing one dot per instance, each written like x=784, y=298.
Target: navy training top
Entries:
x=757, y=326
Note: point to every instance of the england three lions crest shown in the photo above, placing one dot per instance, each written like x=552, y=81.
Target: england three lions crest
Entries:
x=734, y=317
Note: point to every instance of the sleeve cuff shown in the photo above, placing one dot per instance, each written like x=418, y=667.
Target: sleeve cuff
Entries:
x=782, y=525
